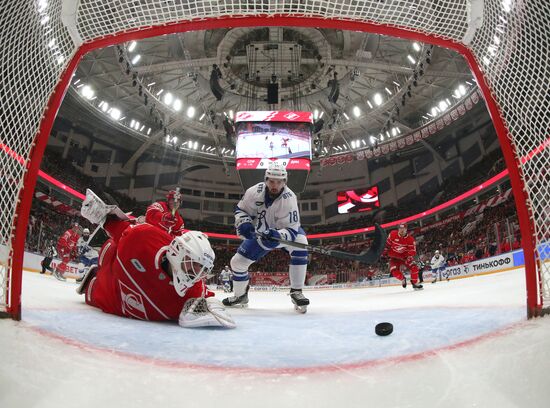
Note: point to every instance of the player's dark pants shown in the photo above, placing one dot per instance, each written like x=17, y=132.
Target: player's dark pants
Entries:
x=395, y=269
x=46, y=264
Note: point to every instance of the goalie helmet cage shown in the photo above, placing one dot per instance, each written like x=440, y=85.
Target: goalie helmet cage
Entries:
x=504, y=41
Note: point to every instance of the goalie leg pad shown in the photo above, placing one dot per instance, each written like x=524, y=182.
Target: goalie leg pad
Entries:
x=205, y=312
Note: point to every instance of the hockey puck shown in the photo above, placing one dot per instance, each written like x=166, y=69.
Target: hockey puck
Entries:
x=384, y=329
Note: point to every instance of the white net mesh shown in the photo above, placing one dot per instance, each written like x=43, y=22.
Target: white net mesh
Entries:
x=511, y=48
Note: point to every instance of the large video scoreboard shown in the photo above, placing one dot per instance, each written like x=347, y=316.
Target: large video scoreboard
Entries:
x=264, y=136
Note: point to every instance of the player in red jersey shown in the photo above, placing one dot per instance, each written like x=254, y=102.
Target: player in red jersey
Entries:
x=401, y=249
x=66, y=249
x=165, y=215
x=144, y=273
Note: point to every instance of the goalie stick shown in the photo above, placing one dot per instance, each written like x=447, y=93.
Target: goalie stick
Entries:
x=368, y=257
x=93, y=234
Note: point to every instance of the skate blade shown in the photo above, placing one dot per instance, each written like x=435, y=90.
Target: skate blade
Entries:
x=418, y=288
x=300, y=309
x=237, y=306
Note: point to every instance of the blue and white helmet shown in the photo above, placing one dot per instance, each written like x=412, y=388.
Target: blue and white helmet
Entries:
x=276, y=170
x=191, y=258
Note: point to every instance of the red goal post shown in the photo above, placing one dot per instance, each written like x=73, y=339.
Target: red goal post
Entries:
x=504, y=42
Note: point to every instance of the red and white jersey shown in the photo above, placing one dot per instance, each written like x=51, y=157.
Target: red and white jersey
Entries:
x=131, y=281
x=400, y=247
x=159, y=215
x=67, y=242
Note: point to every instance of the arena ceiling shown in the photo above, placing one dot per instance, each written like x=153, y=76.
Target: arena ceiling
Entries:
x=159, y=90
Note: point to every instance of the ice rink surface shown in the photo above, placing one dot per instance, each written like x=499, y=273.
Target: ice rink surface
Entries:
x=464, y=343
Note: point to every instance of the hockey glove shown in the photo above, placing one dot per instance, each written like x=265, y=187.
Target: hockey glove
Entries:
x=168, y=219
x=410, y=259
x=268, y=236
x=246, y=230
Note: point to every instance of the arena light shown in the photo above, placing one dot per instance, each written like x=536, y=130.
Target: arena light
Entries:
x=462, y=90
x=104, y=106
x=87, y=92
x=507, y=5
x=41, y=5
x=370, y=104
x=231, y=114
x=188, y=110
x=149, y=132
x=416, y=46
x=151, y=84
x=160, y=92
x=378, y=99
x=411, y=59
x=388, y=91
x=356, y=111
x=136, y=59
x=434, y=111
x=443, y=106
x=191, y=112
x=177, y=105
x=132, y=46
x=168, y=98
x=115, y=113
x=345, y=115
x=315, y=113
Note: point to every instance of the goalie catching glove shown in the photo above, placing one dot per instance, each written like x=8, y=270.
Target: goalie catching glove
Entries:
x=205, y=312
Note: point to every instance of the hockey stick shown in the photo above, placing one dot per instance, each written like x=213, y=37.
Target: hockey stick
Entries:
x=93, y=234
x=177, y=199
x=368, y=257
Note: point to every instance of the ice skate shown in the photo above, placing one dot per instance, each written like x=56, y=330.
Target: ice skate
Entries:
x=58, y=276
x=86, y=278
x=404, y=283
x=236, y=301
x=417, y=286
x=300, y=301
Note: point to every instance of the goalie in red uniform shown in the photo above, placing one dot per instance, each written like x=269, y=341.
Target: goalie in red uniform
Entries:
x=67, y=250
x=144, y=273
x=401, y=249
x=165, y=215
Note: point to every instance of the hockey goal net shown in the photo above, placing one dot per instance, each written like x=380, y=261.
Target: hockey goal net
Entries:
x=504, y=41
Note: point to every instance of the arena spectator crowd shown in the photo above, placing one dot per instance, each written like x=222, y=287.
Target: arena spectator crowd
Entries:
x=475, y=236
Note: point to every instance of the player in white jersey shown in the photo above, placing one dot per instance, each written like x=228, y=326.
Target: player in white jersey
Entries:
x=269, y=208
x=225, y=278
x=437, y=265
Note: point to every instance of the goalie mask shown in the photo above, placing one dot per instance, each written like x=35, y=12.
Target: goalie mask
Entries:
x=191, y=258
